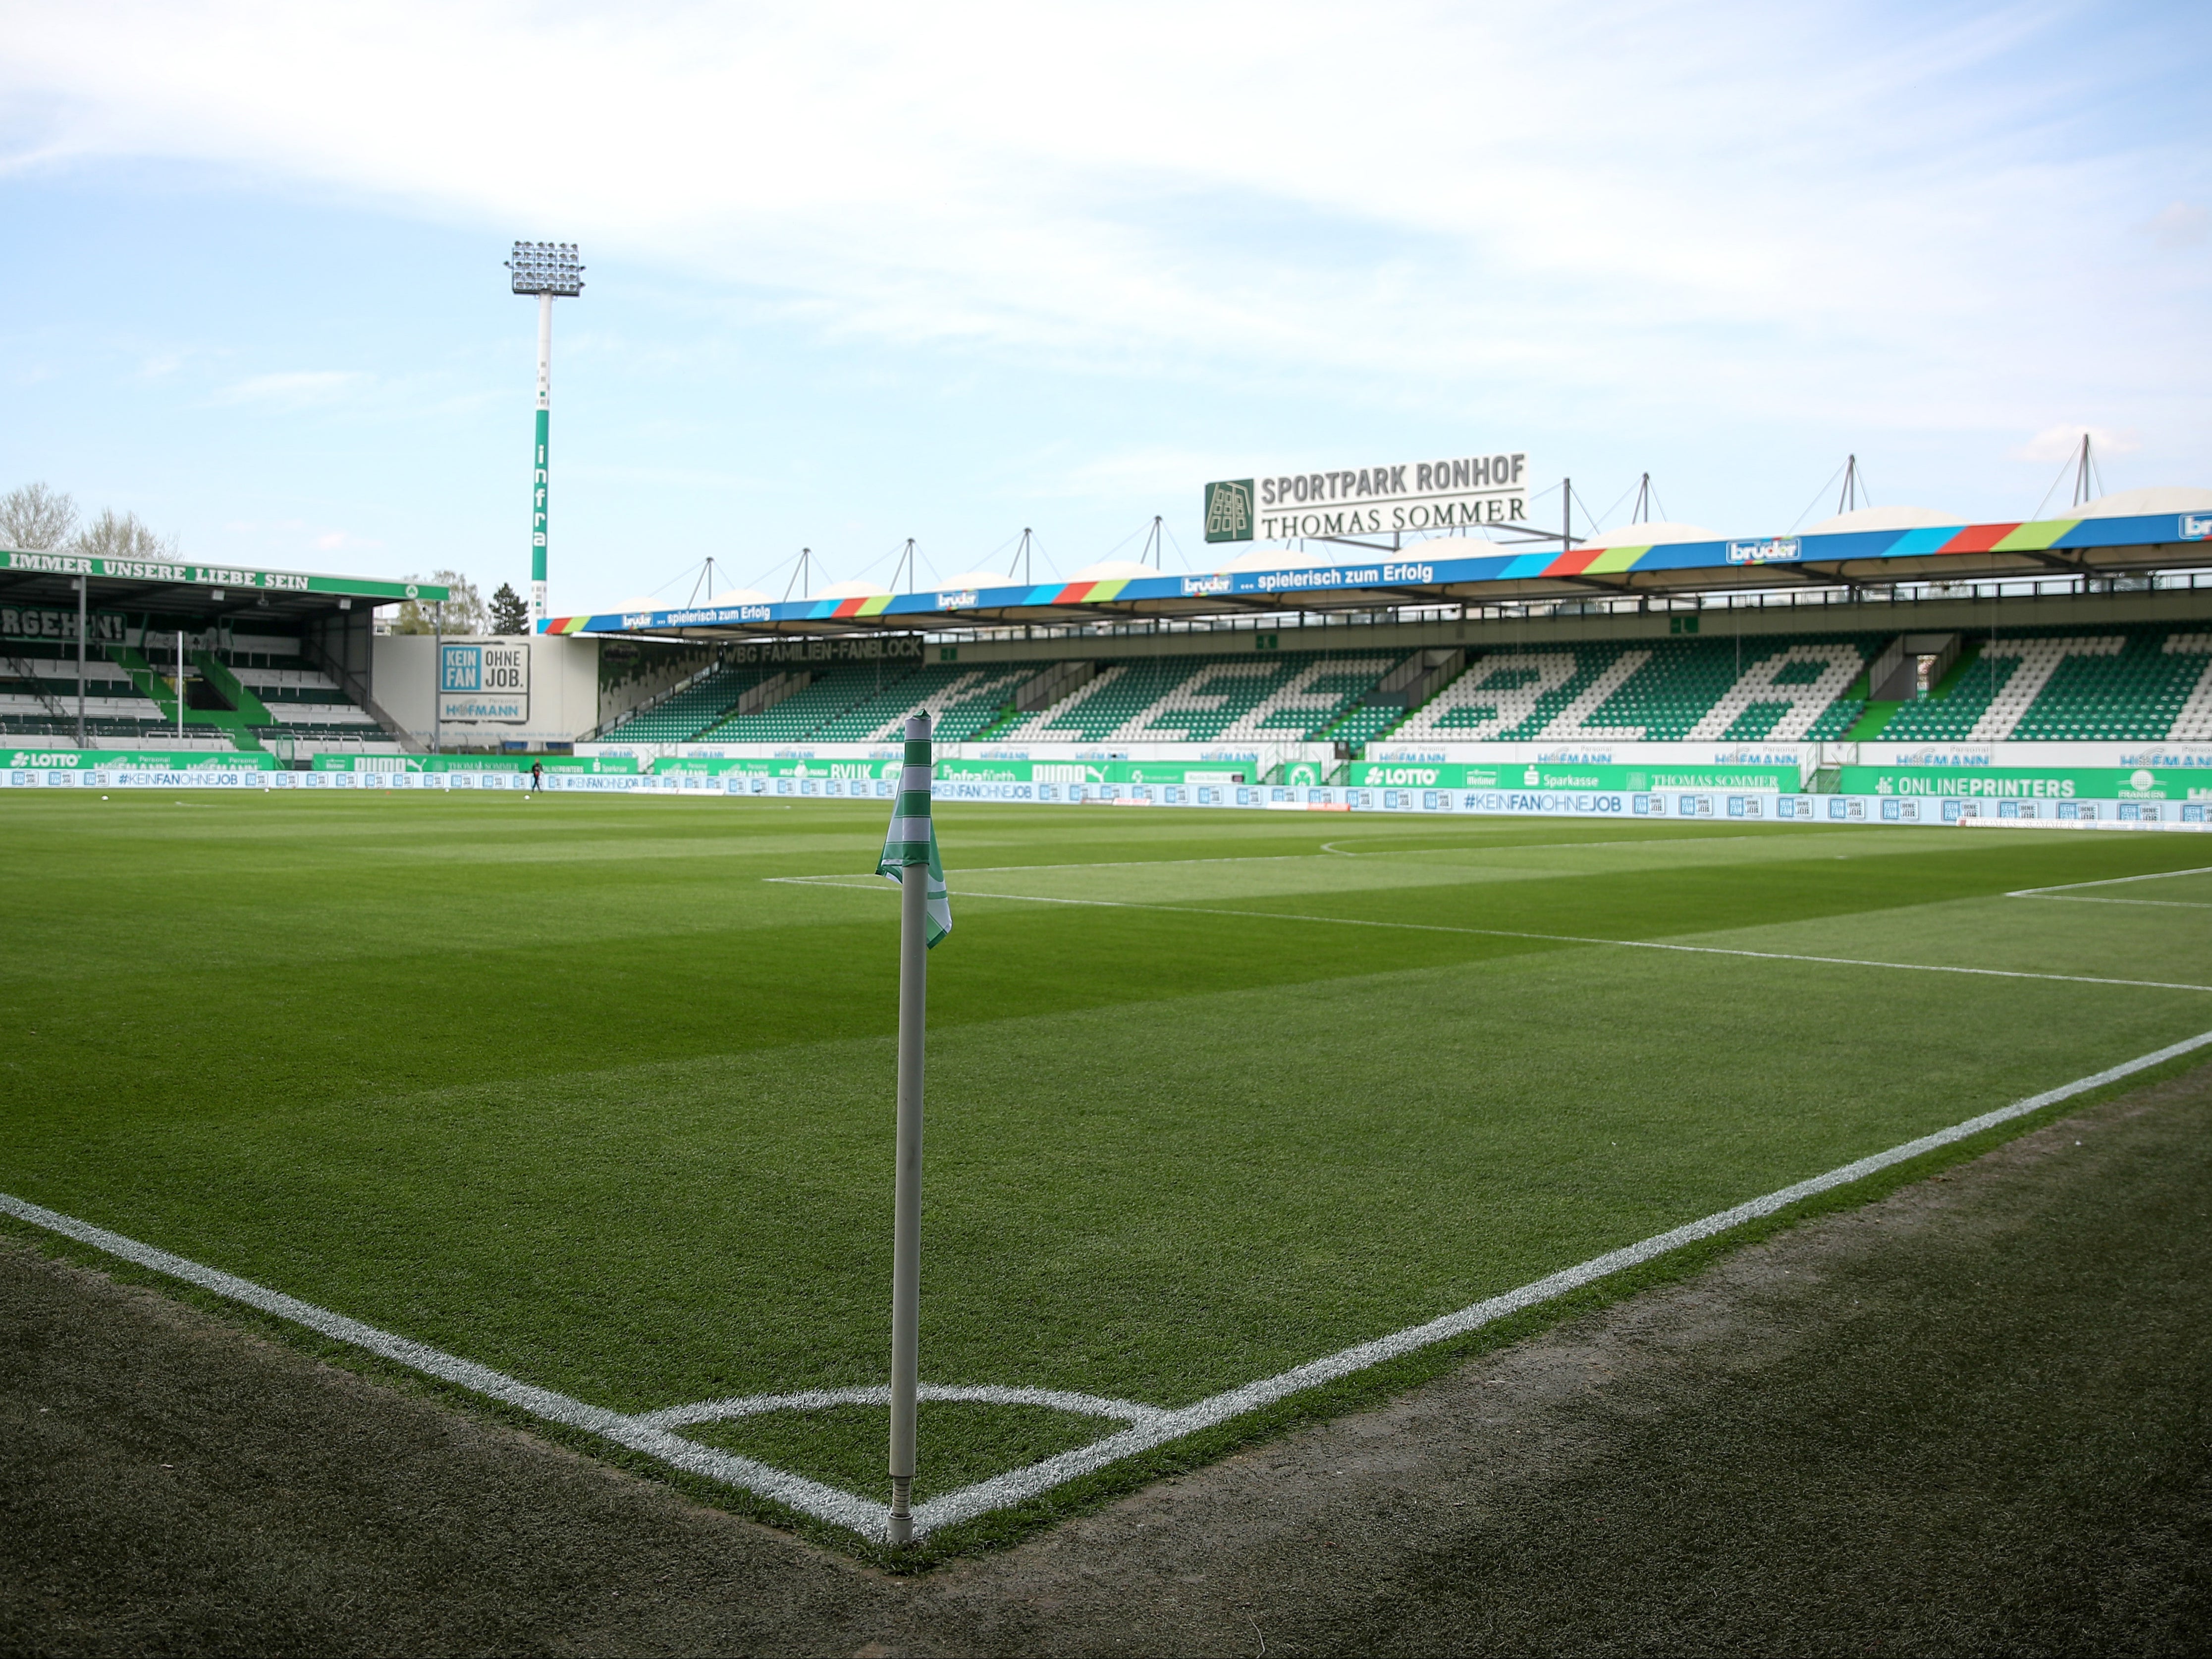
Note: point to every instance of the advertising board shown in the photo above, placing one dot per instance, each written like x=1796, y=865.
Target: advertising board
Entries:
x=2003, y=783
x=1535, y=774
x=484, y=681
x=1451, y=492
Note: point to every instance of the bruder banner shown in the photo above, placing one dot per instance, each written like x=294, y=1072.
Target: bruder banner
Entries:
x=1455, y=492
x=1379, y=775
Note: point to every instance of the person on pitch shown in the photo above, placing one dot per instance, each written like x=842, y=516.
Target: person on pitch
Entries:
x=537, y=776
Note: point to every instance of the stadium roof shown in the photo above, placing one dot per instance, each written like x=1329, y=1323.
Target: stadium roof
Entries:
x=1447, y=571
x=186, y=587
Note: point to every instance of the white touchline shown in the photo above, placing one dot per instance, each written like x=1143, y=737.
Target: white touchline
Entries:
x=810, y=1497
x=1149, y=1425
x=1529, y=846
x=2069, y=891
x=1579, y=938
x=1329, y=849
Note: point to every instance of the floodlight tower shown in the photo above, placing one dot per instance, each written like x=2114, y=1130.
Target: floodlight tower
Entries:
x=545, y=269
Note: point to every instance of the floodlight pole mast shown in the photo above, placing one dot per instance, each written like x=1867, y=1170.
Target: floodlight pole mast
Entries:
x=539, y=469
x=546, y=270
x=438, y=678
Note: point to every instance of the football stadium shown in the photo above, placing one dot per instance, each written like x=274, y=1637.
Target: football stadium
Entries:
x=1363, y=955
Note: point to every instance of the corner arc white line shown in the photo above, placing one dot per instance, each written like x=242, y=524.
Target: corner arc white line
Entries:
x=878, y=1394
x=1018, y=1485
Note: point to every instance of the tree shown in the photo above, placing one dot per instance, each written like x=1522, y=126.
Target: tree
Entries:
x=36, y=518
x=464, y=610
x=509, y=615
x=115, y=535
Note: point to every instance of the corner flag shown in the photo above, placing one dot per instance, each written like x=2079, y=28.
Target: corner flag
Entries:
x=925, y=917
x=912, y=838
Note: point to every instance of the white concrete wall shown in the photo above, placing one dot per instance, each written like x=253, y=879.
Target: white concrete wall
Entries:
x=564, y=690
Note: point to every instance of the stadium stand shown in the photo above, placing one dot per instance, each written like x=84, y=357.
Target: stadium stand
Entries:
x=2125, y=682
x=1656, y=691
x=821, y=695
x=2116, y=685
x=961, y=701
x=692, y=708
x=256, y=689
x=1292, y=697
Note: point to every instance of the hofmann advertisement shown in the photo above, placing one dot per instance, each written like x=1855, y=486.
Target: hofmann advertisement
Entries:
x=484, y=681
x=1458, y=492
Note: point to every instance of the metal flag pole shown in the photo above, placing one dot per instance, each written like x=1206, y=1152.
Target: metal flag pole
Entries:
x=906, y=1201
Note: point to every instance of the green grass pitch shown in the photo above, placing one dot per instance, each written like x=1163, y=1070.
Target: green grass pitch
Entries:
x=590, y=1090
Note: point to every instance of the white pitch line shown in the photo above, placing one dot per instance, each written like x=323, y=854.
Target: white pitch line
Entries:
x=2088, y=898
x=1018, y=1485
x=1329, y=849
x=986, y=1394
x=808, y=1497
x=1578, y=939
x=2109, y=881
x=1152, y=1426
x=1531, y=846
x=2068, y=890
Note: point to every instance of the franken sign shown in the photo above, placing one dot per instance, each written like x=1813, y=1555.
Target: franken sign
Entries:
x=1364, y=501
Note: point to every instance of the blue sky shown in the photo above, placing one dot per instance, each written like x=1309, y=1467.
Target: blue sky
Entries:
x=859, y=273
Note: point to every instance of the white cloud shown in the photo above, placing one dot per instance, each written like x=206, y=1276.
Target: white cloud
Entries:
x=1752, y=205
x=2179, y=224
x=293, y=389
x=2060, y=443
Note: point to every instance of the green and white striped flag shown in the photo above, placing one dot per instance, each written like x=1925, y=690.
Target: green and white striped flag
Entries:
x=913, y=840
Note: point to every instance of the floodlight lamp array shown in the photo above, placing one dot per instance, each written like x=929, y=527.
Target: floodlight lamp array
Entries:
x=547, y=268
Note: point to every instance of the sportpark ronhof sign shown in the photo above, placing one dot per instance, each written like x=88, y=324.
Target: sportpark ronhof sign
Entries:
x=1460, y=492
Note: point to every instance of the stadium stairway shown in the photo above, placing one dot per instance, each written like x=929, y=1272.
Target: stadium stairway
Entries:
x=692, y=708
x=800, y=716
x=235, y=721
x=961, y=702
